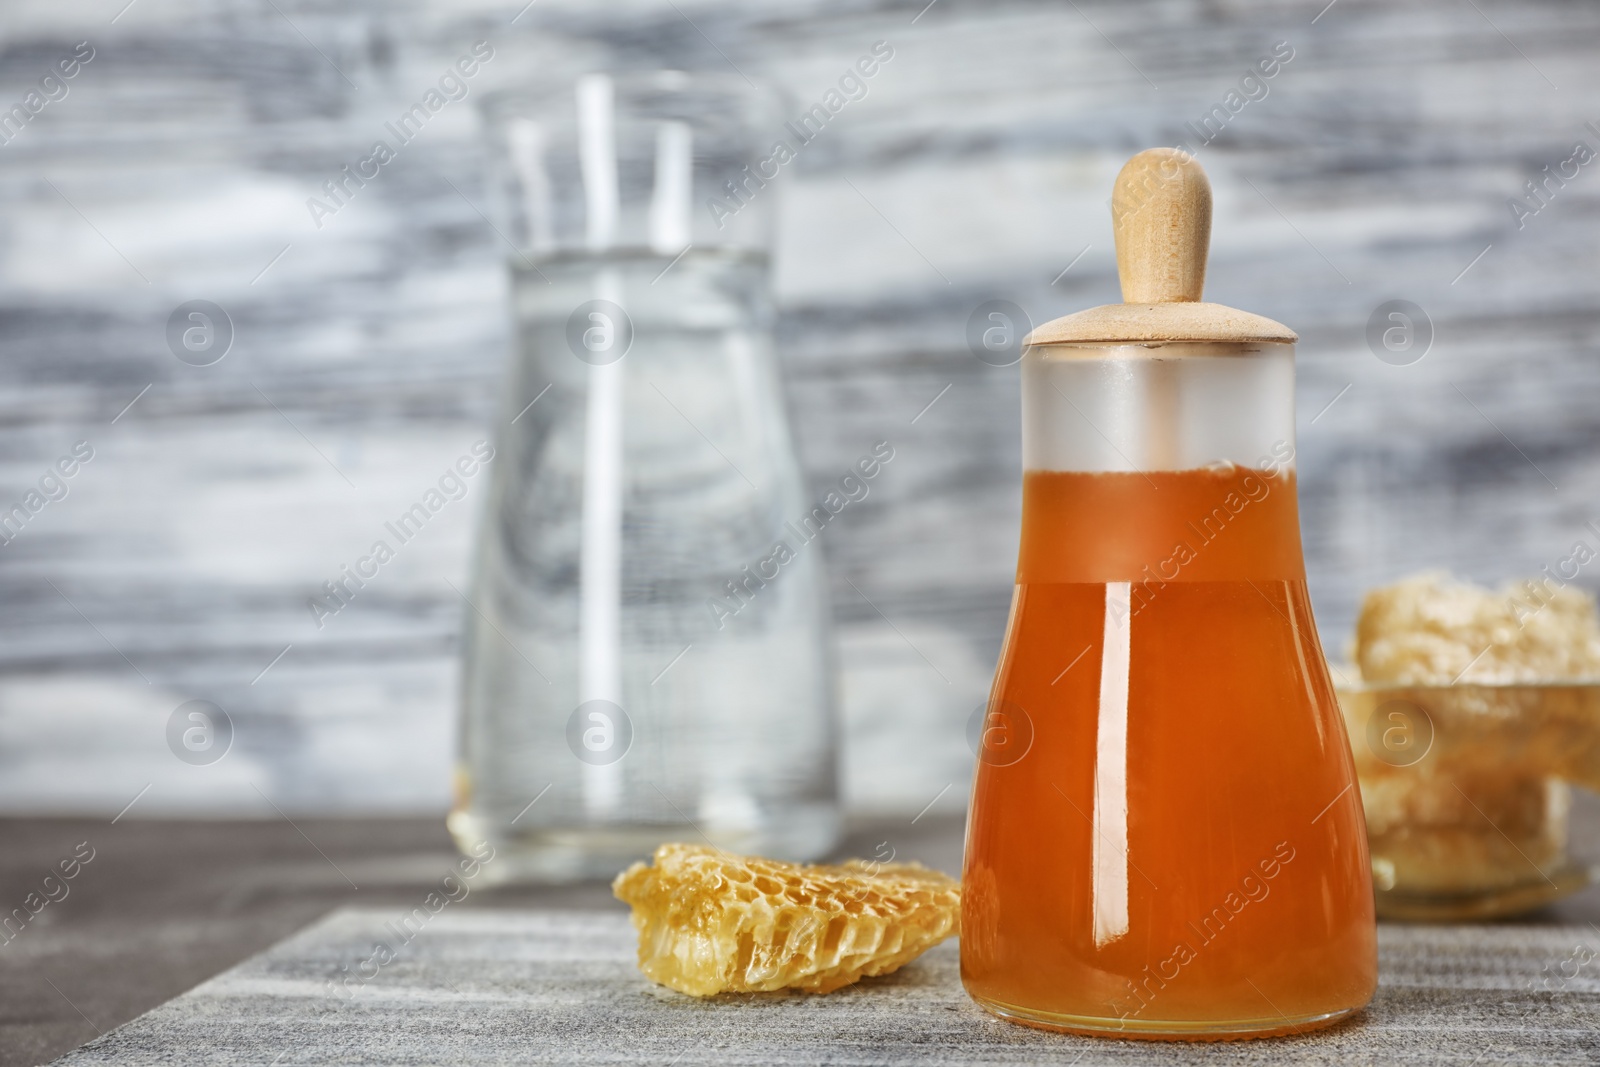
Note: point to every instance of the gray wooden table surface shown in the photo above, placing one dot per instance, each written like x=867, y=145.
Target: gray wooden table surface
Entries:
x=552, y=987
x=164, y=906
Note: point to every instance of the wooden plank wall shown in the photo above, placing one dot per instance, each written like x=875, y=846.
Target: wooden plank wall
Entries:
x=1379, y=166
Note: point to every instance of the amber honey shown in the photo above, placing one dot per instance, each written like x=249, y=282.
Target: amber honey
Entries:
x=1165, y=838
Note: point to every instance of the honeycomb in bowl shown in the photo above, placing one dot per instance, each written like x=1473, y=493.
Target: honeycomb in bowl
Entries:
x=1499, y=687
x=710, y=922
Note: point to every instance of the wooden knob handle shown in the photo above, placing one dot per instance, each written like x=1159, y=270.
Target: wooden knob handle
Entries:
x=1161, y=214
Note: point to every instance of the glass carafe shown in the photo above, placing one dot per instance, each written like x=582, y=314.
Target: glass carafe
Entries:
x=1164, y=839
x=647, y=649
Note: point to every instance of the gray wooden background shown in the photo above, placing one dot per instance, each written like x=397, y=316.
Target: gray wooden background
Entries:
x=1378, y=167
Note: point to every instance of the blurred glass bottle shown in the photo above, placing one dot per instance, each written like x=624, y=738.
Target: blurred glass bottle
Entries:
x=647, y=654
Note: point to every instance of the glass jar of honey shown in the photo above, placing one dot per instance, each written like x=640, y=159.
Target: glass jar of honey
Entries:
x=1165, y=837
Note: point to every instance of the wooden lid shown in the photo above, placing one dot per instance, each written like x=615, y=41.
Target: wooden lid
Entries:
x=1161, y=214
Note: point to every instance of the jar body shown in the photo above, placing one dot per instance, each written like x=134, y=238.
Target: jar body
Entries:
x=1165, y=839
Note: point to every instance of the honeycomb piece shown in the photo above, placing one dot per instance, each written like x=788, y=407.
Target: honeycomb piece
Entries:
x=710, y=922
x=1482, y=731
x=1431, y=630
x=1466, y=834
